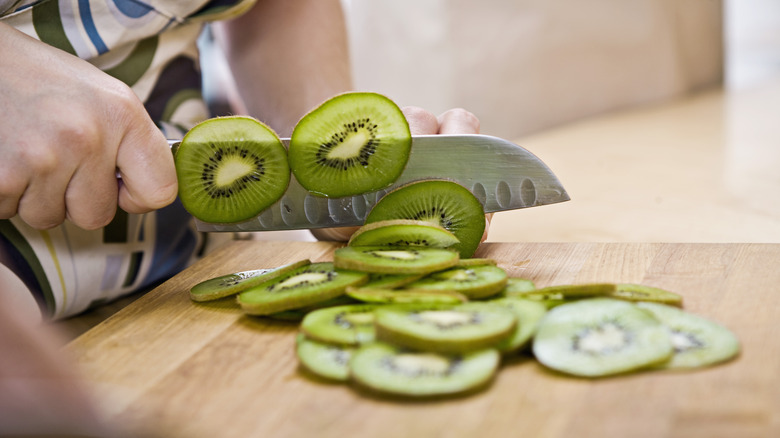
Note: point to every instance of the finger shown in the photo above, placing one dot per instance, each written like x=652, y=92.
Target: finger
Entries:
x=334, y=234
x=91, y=196
x=145, y=163
x=421, y=122
x=11, y=189
x=458, y=121
x=488, y=218
x=42, y=205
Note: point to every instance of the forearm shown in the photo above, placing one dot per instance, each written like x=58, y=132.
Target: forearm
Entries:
x=287, y=57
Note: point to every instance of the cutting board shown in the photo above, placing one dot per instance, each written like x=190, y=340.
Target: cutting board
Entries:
x=206, y=370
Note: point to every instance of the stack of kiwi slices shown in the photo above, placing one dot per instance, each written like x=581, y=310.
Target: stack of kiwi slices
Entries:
x=411, y=319
x=232, y=168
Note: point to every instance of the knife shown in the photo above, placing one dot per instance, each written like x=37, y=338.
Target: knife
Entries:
x=501, y=174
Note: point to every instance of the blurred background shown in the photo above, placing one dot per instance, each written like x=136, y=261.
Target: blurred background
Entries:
x=653, y=113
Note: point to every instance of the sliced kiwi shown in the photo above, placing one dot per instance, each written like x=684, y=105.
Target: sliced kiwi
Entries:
x=351, y=144
x=442, y=202
x=574, y=291
x=698, y=342
x=302, y=287
x=405, y=296
x=230, y=169
x=394, y=260
x=391, y=281
x=299, y=313
x=599, y=337
x=231, y=284
x=473, y=282
x=322, y=359
x=476, y=261
x=403, y=232
x=347, y=325
x=518, y=286
x=529, y=314
x=639, y=292
x=444, y=328
x=388, y=369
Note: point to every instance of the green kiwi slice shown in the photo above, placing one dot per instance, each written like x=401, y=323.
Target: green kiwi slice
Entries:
x=444, y=328
x=388, y=369
x=698, y=342
x=301, y=287
x=322, y=359
x=403, y=232
x=442, y=202
x=231, y=284
x=518, y=286
x=352, y=143
x=230, y=169
x=474, y=282
x=476, y=261
x=394, y=260
x=346, y=325
x=391, y=281
x=639, y=292
x=600, y=337
x=405, y=296
x=529, y=314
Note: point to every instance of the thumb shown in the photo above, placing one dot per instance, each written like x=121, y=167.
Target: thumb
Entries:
x=145, y=163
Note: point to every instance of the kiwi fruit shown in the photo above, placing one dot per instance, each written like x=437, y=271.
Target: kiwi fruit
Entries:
x=230, y=169
x=639, y=292
x=323, y=359
x=391, y=281
x=477, y=261
x=600, y=337
x=403, y=232
x=573, y=291
x=518, y=286
x=345, y=325
x=444, y=328
x=301, y=287
x=529, y=314
x=351, y=144
x=394, y=260
x=389, y=369
x=474, y=282
x=697, y=341
x=442, y=202
x=231, y=284
x=405, y=296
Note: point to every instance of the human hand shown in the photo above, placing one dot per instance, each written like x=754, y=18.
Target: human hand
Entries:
x=66, y=129
x=421, y=122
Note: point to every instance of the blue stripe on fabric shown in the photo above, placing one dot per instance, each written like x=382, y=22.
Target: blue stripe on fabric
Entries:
x=90, y=28
x=132, y=8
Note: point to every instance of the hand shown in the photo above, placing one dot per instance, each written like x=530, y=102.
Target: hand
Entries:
x=66, y=129
x=421, y=122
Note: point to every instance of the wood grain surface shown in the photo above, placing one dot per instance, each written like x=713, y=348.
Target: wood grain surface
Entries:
x=205, y=370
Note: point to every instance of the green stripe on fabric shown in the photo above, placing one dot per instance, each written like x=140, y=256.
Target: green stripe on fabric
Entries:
x=116, y=231
x=20, y=243
x=48, y=25
x=133, y=269
x=137, y=62
x=177, y=99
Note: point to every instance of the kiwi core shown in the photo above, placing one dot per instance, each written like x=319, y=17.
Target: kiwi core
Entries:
x=398, y=255
x=605, y=339
x=683, y=341
x=232, y=170
x=421, y=363
x=307, y=278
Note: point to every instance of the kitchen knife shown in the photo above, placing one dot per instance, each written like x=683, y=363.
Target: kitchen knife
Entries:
x=501, y=174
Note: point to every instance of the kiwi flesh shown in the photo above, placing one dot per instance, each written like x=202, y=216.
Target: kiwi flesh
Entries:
x=599, y=337
x=403, y=232
x=305, y=286
x=444, y=328
x=640, y=292
x=442, y=202
x=231, y=168
x=389, y=369
x=344, y=325
x=518, y=286
x=529, y=314
x=231, y=284
x=405, y=296
x=394, y=260
x=476, y=261
x=323, y=359
x=351, y=144
x=391, y=281
x=698, y=342
x=474, y=282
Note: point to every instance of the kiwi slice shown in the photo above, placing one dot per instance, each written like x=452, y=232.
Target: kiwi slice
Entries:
x=230, y=169
x=442, y=202
x=599, y=337
x=518, y=286
x=639, y=292
x=474, y=282
x=698, y=342
x=391, y=281
x=351, y=144
x=444, y=328
x=573, y=291
x=231, y=284
x=405, y=296
x=388, y=369
x=322, y=359
x=347, y=325
x=403, y=232
x=301, y=287
x=476, y=261
x=394, y=260
x=529, y=314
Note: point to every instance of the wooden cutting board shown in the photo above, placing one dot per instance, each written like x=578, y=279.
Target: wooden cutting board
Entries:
x=206, y=370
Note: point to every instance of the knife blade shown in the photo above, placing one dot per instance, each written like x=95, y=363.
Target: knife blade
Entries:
x=501, y=174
